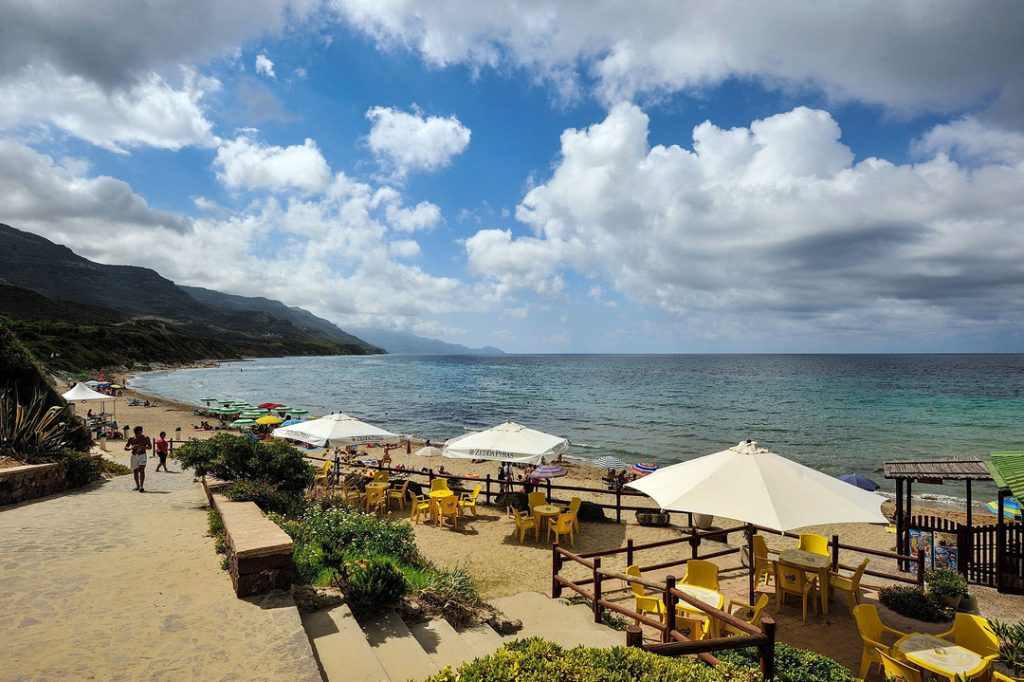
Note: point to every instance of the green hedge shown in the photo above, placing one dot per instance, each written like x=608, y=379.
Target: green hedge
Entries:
x=232, y=458
x=912, y=602
x=793, y=664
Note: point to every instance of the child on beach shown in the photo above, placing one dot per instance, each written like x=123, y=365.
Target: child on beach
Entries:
x=139, y=444
x=161, y=450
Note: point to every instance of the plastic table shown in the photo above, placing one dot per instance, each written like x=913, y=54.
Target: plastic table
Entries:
x=809, y=561
x=940, y=656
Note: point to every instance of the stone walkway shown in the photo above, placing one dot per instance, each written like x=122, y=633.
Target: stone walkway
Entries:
x=109, y=584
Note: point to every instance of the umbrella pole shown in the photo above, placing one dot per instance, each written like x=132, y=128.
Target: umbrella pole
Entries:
x=750, y=562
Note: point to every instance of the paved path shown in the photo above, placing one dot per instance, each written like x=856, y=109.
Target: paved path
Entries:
x=110, y=584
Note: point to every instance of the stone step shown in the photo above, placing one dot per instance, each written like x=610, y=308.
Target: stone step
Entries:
x=481, y=640
x=559, y=622
x=399, y=653
x=442, y=643
x=341, y=648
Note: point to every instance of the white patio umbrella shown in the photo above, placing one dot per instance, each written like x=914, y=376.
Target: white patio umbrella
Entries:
x=751, y=484
x=334, y=430
x=508, y=442
x=429, y=451
x=82, y=392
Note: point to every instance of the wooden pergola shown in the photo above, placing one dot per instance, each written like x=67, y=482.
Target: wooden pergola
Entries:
x=930, y=472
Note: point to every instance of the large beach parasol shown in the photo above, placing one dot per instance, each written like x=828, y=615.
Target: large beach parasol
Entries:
x=268, y=419
x=269, y=406
x=644, y=468
x=429, y=451
x=609, y=462
x=549, y=471
x=508, y=442
x=1011, y=507
x=243, y=422
x=751, y=484
x=334, y=430
x=859, y=480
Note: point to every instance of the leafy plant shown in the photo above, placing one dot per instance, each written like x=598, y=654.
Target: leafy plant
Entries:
x=266, y=496
x=230, y=458
x=80, y=468
x=942, y=582
x=451, y=592
x=113, y=468
x=371, y=584
x=793, y=664
x=216, y=531
x=340, y=530
x=914, y=603
x=538, y=660
x=31, y=430
x=1011, y=644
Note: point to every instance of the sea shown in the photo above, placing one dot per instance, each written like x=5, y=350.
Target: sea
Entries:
x=835, y=413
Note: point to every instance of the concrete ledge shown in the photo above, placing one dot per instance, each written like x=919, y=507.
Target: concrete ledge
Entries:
x=212, y=485
x=29, y=481
x=259, y=552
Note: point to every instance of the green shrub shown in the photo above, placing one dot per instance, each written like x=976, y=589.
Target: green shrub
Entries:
x=452, y=593
x=793, y=664
x=348, y=531
x=538, y=660
x=216, y=531
x=371, y=584
x=943, y=582
x=266, y=496
x=230, y=458
x=80, y=467
x=113, y=468
x=912, y=602
x=1011, y=645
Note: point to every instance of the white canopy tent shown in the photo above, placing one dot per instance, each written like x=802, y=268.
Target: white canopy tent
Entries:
x=82, y=393
x=334, y=430
x=751, y=484
x=508, y=442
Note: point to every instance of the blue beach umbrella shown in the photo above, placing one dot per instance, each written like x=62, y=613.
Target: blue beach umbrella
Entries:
x=1011, y=507
x=291, y=421
x=859, y=480
x=549, y=471
x=609, y=462
x=645, y=468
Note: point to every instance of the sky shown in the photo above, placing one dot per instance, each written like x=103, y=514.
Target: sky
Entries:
x=542, y=176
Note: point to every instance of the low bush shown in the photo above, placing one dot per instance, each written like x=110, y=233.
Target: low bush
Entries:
x=538, y=660
x=266, y=496
x=448, y=591
x=912, y=602
x=112, y=468
x=80, y=467
x=216, y=531
x=943, y=582
x=340, y=530
x=231, y=458
x=793, y=664
x=1011, y=645
x=371, y=584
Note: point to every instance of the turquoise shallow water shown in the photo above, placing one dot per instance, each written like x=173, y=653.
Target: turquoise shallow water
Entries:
x=837, y=413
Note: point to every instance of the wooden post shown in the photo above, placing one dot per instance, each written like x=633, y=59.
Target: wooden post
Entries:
x=766, y=652
x=430, y=475
x=337, y=469
x=629, y=552
x=900, y=530
x=618, y=504
x=634, y=636
x=920, y=568
x=487, y=495
x=597, y=590
x=965, y=553
x=970, y=504
x=835, y=553
x=670, y=609
x=750, y=563
x=408, y=446
x=556, y=567
x=695, y=545
x=549, y=490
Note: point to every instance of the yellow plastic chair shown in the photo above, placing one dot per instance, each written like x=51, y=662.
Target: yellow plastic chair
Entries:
x=438, y=484
x=468, y=500
x=574, y=509
x=763, y=570
x=380, y=477
x=524, y=522
x=900, y=671
x=973, y=633
x=691, y=627
x=871, y=632
x=399, y=495
x=323, y=476
x=813, y=543
x=352, y=496
x=1001, y=677
x=793, y=580
x=536, y=498
x=850, y=584
x=701, y=573
x=375, y=500
x=420, y=504
x=448, y=506
x=746, y=612
x=645, y=604
x=563, y=526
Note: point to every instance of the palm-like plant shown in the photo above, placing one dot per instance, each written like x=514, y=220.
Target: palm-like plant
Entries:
x=30, y=431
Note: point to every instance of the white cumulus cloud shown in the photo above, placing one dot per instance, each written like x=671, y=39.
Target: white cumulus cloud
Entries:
x=245, y=163
x=407, y=142
x=264, y=66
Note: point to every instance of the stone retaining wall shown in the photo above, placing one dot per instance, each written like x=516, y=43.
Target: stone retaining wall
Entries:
x=259, y=552
x=23, y=483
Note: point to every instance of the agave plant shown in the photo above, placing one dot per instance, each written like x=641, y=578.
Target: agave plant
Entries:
x=31, y=431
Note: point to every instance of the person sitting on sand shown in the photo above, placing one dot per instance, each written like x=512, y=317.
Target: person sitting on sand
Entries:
x=139, y=444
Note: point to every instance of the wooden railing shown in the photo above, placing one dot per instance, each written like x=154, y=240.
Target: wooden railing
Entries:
x=673, y=642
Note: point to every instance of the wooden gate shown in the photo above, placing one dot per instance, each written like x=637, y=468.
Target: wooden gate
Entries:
x=978, y=555
x=1011, y=565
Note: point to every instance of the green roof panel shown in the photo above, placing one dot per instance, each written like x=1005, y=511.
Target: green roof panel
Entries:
x=1008, y=471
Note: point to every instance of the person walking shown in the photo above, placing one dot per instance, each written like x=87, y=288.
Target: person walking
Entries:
x=160, y=447
x=139, y=444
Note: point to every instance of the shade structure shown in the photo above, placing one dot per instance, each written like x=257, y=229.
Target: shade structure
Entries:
x=269, y=406
x=429, y=451
x=751, y=484
x=1011, y=507
x=291, y=421
x=269, y=419
x=334, y=430
x=859, y=480
x=549, y=471
x=208, y=399
x=645, y=468
x=243, y=422
x=82, y=392
x=297, y=410
x=508, y=442
x=609, y=462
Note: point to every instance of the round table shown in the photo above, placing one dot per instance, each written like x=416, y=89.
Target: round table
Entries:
x=939, y=656
x=709, y=597
x=544, y=511
x=435, y=496
x=809, y=561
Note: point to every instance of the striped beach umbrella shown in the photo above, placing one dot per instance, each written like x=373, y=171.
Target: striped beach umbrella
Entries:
x=549, y=471
x=243, y=422
x=1011, y=507
x=645, y=468
x=609, y=462
x=297, y=411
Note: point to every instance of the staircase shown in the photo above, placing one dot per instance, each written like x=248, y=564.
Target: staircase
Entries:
x=387, y=650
